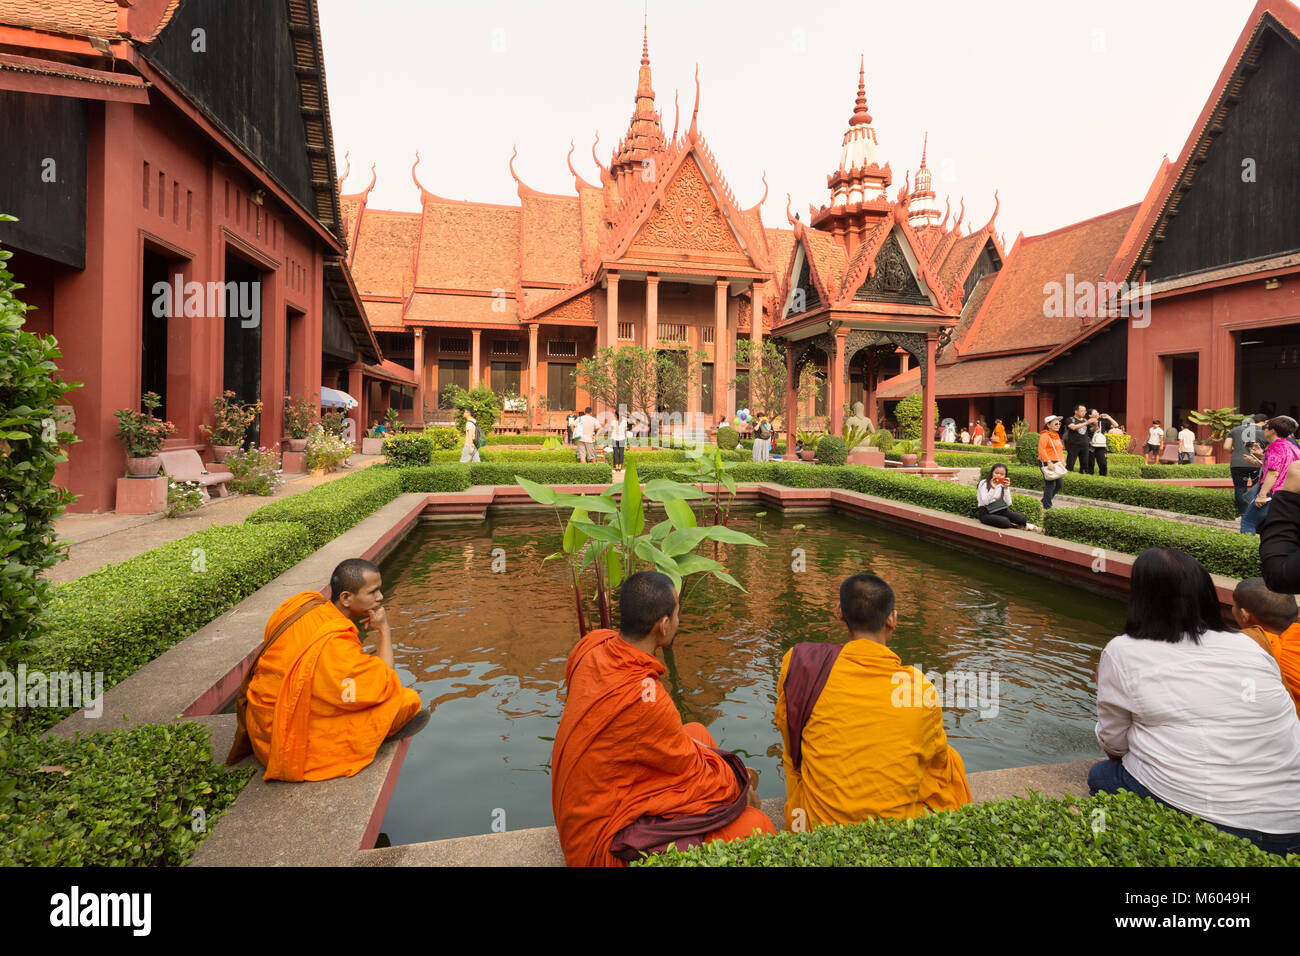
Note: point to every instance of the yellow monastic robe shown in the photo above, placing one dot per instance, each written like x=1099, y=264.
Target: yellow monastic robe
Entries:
x=318, y=705
x=1286, y=648
x=869, y=750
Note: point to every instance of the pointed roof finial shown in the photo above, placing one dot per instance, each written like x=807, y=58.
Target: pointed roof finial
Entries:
x=348, y=169
x=694, y=130
x=645, y=44
x=925, y=144
x=860, y=115
x=676, y=115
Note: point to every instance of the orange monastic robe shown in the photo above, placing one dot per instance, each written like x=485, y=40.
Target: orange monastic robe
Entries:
x=869, y=750
x=622, y=752
x=1286, y=648
x=318, y=705
x=999, y=436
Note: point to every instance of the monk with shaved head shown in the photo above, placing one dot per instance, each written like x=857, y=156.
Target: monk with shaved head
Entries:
x=1270, y=619
x=315, y=705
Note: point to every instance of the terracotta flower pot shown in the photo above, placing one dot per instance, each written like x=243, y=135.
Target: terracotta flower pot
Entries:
x=1204, y=450
x=144, y=467
x=909, y=461
x=221, y=452
x=296, y=444
x=807, y=454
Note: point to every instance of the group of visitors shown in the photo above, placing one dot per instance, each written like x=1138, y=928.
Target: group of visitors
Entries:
x=1185, y=437
x=1080, y=439
x=1262, y=450
x=974, y=433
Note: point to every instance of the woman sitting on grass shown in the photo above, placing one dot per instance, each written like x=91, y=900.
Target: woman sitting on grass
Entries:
x=993, y=495
x=1193, y=713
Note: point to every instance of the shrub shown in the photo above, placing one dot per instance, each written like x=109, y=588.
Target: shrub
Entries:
x=1221, y=551
x=562, y=455
x=509, y=439
x=140, y=432
x=832, y=451
x=256, y=471
x=444, y=436
x=1139, y=832
x=1027, y=449
x=121, y=798
x=882, y=440
x=410, y=450
x=1126, y=461
x=124, y=615
x=334, y=423
x=183, y=497
x=482, y=401
x=1118, y=444
x=728, y=438
x=325, y=449
x=503, y=473
x=330, y=509
x=231, y=419
x=908, y=415
x=956, y=459
x=434, y=478
x=1185, y=471
x=975, y=449
x=1206, y=502
x=298, y=417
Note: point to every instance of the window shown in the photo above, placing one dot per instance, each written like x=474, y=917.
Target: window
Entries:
x=505, y=378
x=451, y=372
x=672, y=333
x=454, y=346
x=706, y=335
x=562, y=349
x=625, y=331
x=742, y=389
x=505, y=347
x=402, y=398
x=706, y=389
x=561, y=392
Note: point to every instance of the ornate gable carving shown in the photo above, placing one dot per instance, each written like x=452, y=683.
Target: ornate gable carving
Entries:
x=893, y=280
x=579, y=307
x=688, y=217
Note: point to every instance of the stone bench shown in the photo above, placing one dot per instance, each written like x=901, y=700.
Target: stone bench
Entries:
x=186, y=465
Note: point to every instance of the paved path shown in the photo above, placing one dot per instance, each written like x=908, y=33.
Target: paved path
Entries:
x=96, y=540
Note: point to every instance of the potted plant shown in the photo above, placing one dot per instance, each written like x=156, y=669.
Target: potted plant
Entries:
x=298, y=419
x=373, y=442
x=393, y=421
x=909, y=452
x=231, y=420
x=807, y=442
x=1220, y=421
x=143, y=436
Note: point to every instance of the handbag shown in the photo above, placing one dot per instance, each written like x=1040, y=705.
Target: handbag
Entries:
x=1053, y=470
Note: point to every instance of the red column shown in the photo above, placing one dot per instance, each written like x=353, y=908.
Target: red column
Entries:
x=652, y=324
x=724, y=398
x=927, y=401
x=791, y=404
x=971, y=413
x=1031, y=405
x=532, y=374
x=869, y=388
x=836, y=395
x=420, y=377
x=475, y=369
x=357, y=414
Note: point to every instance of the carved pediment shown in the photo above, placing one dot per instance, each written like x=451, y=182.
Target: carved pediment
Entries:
x=688, y=217
x=893, y=279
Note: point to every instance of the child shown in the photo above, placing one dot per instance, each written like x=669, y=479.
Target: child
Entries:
x=1269, y=619
x=1155, y=442
x=1186, y=444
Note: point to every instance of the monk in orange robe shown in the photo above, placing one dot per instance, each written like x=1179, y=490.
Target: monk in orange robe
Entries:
x=315, y=705
x=863, y=735
x=999, y=435
x=627, y=776
x=1270, y=619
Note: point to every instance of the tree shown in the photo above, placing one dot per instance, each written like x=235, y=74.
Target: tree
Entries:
x=767, y=377
x=638, y=377
x=482, y=401
x=908, y=416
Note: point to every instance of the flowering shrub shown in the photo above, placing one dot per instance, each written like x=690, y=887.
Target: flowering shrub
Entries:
x=325, y=450
x=141, y=433
x=445, y=437
x=182, y=497
x=298, y=417
x=334, y=422
x=256, y=471
x=232, y=419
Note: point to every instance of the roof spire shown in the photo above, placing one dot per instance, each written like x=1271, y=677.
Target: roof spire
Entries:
x=645, y=136
x=924, y=211
x=860, y=115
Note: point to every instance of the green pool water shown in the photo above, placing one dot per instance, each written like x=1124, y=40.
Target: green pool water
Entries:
x=488, y=648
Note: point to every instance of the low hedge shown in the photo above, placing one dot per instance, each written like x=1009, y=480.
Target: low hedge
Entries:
x=458, y=477
x=951, y=459
x=510, y=454
x=1186, y=471
x=127, y=798
x=778, y=445
x=433, y=478
x=976, y=449
x=1119, y=829
x=1205, y=502
x=412, y=448
x=831, y=451
x=119, y=618
x=1126, y=461
x=1027, y=449
x=516, y=439
x=1221, y=551
x=330, y=509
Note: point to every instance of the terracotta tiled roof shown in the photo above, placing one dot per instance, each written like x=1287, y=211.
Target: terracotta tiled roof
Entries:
x=468, y=246
x=449, y=307
x=972, y=377
x=592, y=203
x=961, y=257
x=781, y=244
x=76, y=17
x=549, y=239
x=385, y=251
x=384, y=315
x=25, y=64
x=969, y=310
x=392, y=372
x=1013, y=314
x=828, y=258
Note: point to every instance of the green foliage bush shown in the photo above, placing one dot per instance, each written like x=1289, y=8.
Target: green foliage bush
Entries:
x=1119, y=444
x=432, y=478
x=122, y=616
x=975, y=449
x=1125, y=461
x=512, y=454
x=908, y=415
x=1123, y=489
x=125, y=798
x=503, y=473
x=1027, y=449
x=1220, y=550
x=512, y=439
x=444, y=437
x=953, y=459
x=1037, y=831
x=413, y=448
x=832, y=451
x=332, y=508
x=1186, y=471
x=728, y=438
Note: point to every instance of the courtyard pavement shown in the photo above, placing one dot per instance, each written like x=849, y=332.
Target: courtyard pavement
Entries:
x=96, y=540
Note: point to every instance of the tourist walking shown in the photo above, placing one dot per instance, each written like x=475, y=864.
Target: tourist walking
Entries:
x=585, y=435
x=1098, y=448
x=472, y=439
x=1186, y=444
x=763, y=439
x=1076, y=435
x=1279, y=453
x=1051, y=459
x=1176, y=730
x=618, y=440
x=1244, y=473
x=570, y=423
x=993, y=497
x=1155, y=442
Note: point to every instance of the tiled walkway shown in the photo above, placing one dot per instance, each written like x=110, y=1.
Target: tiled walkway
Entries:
x=100, y=539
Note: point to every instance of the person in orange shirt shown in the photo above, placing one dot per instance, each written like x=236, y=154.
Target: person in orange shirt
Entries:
x=1051, y=451
x=1270, y=619
x=863, y=734
x=314, y=705
x=627, y=776
x=999, y=434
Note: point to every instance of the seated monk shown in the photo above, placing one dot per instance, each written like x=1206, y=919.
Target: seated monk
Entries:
x=314, y=705
x=627, y=776
x=1269, y=619
x=863, y=734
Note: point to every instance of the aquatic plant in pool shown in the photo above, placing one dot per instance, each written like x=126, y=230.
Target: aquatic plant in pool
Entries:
x=488, y=648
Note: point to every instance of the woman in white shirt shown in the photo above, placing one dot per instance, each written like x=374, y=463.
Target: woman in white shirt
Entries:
x=1193, y=713
x=993, y=497
x=618, y=438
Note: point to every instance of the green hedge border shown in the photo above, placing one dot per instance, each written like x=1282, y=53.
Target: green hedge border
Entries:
x=1223, y=552
x=1180, y=499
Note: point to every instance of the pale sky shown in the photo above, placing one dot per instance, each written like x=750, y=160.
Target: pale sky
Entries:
x=1065, y=108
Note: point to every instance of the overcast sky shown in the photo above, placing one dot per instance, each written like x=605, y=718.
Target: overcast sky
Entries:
x=1065, y=108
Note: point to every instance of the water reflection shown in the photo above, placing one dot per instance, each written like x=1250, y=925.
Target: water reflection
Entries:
x=490, y=650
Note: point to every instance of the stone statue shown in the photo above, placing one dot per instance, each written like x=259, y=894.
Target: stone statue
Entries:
x=859, y=420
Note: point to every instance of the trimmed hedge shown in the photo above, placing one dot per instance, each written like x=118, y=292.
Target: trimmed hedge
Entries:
x=503, y=473
x=778, y=445
x=1206, y=502
x=728, y=438
x=831, y=451
x=329, y=510
x=119, y=618
x=412, y=448
x=126, y=798
x=1221, y=551
x=510, y=454
x=1027, y=449
x=1186, y=471
x=433, y=478
x=976, y=449
x=1037, y=831
x=1125, y=461
x=516, y=439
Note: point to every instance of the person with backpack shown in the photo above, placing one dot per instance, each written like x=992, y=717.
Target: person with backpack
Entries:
x=474, y=438
x=763, y=439
x=1244, y=473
